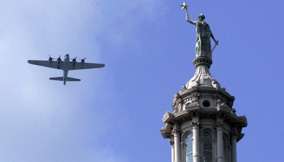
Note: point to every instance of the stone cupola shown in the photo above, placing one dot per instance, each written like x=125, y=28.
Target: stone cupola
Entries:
x=203, y=126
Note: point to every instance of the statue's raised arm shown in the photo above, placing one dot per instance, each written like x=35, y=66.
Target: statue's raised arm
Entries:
x=187, y=18
x=184, y=6
x=203, y=34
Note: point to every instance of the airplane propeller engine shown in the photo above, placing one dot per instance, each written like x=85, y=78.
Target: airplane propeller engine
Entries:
x=50, y=59
x=59, y=58
x=74, y=60
x=58, y=62
x=83, y=60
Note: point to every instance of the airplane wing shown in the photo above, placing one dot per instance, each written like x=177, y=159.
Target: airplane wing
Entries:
x=78, y=66
x=50, y=64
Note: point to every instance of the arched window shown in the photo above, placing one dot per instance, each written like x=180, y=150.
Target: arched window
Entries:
x=189, y=157
x=207, y=146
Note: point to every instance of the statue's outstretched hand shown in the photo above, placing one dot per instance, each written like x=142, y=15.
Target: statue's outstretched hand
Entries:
x=184, y=6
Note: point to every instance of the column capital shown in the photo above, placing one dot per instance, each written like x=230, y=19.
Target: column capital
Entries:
x=183, y=144
x=234, y=133
x=195, y=124
x=172, y=142
x=176, y=126
x=219, y=124
x=176, y=129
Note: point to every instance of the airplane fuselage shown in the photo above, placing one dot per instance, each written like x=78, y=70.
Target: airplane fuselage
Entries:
x=65, y=72
x=66, y=59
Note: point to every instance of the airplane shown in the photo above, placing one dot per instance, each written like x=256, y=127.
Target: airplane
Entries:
x=65, y=65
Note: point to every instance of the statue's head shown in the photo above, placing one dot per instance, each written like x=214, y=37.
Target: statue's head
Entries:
x=201, y=17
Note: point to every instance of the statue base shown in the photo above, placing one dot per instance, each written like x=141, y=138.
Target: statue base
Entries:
x=202, y=61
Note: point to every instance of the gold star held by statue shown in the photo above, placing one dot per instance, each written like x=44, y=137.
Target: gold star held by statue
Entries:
x=183, y=6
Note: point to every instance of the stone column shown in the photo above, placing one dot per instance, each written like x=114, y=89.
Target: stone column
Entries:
x=234, y=148
x=214, y=147
x=183, y=150
x=195, y=143
x=173, y=150
x=220, y=147
x=177, y=142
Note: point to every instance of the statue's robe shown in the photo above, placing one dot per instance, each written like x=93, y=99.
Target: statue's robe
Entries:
x=203, y=45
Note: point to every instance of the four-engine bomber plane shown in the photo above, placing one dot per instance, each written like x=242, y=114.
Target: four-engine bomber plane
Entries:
x=65, y=65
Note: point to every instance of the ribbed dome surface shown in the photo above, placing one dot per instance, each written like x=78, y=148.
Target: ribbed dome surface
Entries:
x=202, y=76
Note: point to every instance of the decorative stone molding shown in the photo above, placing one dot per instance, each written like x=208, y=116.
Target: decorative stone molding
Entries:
x=181, y=115
x=219, y=126
x=167, y=117
x=182, y=143
x=202, y=61
x=172, y=141
x=207, y=96
x=187, y=129
x=177, y=103
x=234, y=134
x=185, y=133
x=195, y=124
x=175, y=131
x=219, y=123
x=222, y=105
x=206, y=127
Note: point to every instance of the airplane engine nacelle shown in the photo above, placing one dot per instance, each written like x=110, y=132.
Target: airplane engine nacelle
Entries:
x=83, y=61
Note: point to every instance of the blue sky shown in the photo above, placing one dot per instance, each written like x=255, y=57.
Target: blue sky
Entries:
x=114, y=114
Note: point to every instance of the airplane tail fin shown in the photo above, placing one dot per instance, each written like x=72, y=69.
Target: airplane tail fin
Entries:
x=57, y=78
x=73, y=79
x=67, y=79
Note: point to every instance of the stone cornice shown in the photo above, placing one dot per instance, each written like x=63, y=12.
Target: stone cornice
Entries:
x=237, y=122
x=241, y=135
x=233, y=119
x=166, y=131
x=210, y=91
x=168, y=117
